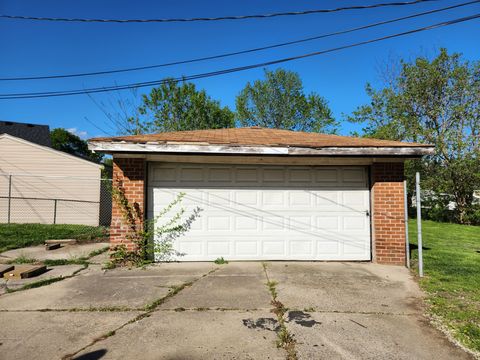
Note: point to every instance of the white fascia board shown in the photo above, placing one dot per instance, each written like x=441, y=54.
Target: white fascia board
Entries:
x=124, y=147
x=185, y=148
x=366, y=151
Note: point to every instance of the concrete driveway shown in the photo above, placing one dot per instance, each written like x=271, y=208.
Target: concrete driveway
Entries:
x=208, y=311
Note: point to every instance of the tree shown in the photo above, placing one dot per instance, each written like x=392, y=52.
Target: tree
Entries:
x=175, y=107
x=65, y=141
x=433, y=101
x=280, y=102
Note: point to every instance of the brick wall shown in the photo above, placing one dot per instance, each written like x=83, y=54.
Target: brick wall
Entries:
x=131, y=173
x=388, y=213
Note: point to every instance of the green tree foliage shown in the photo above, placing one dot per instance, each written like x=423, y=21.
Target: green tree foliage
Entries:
x=174, y=107
x=65, y=141
x=280, y=102
x=435, y=101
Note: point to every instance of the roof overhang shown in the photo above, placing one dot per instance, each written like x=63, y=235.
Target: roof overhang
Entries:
x=127, y=147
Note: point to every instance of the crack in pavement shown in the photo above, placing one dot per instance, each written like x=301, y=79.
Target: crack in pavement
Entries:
x=42, y=282
x=285, y=340
x=148, y=310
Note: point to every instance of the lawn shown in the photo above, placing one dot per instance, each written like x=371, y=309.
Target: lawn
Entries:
x=13, y=236
x=452, y=276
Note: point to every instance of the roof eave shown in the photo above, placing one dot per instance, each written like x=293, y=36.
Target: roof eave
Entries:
x=127, y=147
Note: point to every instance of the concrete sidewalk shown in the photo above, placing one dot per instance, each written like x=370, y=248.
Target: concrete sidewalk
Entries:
x=208, y=311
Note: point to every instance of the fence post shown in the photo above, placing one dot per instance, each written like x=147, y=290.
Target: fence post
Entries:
x=9, y=197
x=55, y=211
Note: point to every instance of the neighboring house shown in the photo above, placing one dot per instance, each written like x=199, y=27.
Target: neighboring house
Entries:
x=429, y=196
x=37, y=134
x=41, y=185
x=270, y=194
x=476, y=197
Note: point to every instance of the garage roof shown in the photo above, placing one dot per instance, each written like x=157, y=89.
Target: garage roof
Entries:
x=253, y=140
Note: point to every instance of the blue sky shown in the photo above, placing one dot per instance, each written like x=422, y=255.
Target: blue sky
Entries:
x=39, y=48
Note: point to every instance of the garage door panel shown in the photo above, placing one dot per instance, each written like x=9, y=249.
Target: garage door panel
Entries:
x=246, y=175
x=267, y=212
x=300, y=199
x=216, y=175
x=329, y=222
x=302, y=248
x=273, y=248
x=247, y=249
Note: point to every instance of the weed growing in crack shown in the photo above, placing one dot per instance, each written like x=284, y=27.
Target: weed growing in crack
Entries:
x=148, y=311
x=272, y=287
x=285, y=340
x=220, y=261
x=45, y=282
x=174, y=290
x=22, y=259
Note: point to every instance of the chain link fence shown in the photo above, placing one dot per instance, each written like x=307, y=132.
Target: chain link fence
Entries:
x=83, y=202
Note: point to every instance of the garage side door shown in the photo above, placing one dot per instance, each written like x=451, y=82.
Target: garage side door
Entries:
x=267, y=212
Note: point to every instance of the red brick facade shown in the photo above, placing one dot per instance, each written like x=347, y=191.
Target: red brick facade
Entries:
x=131, y=175
x=388, y=224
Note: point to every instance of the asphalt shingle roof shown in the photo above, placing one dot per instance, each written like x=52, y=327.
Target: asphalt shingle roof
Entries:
x=256, y=136
x=38, y=134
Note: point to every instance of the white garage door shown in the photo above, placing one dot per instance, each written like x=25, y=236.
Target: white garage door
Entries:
x=252, y=212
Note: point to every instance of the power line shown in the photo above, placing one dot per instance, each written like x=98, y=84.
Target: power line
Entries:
x=218, y=56
x=231, y=70
x=97, y=127
x=236, y=17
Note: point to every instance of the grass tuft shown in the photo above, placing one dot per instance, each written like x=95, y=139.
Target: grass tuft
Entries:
x=220, y=261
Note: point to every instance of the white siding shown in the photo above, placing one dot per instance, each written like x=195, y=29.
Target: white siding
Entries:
x=43, y=173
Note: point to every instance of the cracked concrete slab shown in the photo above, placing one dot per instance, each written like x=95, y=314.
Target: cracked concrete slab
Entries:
x=52, y=272
x=355, y=287
x=98, y=289
x=358, y=313
x=232, y=286
x=191, y=335
x=64, y=252
x=50, y=335
x=371, y=336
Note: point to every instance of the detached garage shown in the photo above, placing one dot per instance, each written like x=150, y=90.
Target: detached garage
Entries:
x=269, y=194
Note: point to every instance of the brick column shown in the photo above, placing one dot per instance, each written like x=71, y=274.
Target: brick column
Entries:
x=131, y=173
x=388, y=213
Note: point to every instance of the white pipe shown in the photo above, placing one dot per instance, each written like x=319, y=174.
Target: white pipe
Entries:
x=419, y=226
x=407, y=244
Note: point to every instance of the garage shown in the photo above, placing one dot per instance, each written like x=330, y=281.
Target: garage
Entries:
x=267, y=194
x=255, y=212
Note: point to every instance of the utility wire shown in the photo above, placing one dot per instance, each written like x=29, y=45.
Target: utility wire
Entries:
x=218, y=56
x=235, y=69
x=97, y=127
x=237, y=17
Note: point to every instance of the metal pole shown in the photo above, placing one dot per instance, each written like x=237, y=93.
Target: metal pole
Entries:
x=407, y=243
x=55, y=211
x=419, y=226
x=9, y=196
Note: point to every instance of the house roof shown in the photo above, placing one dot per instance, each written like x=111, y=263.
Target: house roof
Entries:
x=38, y=134
x=252, y=137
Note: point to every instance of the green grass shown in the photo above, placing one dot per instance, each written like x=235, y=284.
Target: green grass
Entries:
x=451, y=256
x=14, y=236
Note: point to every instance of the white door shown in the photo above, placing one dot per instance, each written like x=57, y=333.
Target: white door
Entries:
x=253, y=212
